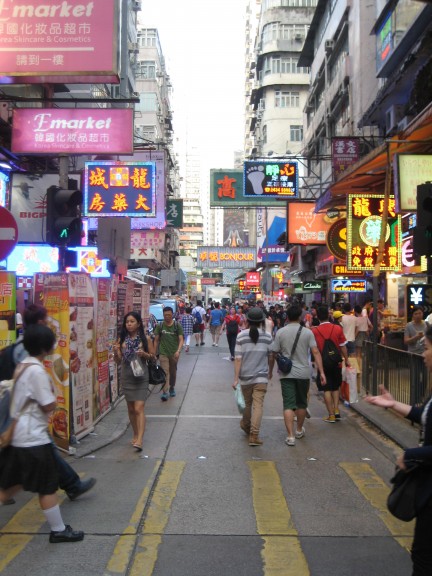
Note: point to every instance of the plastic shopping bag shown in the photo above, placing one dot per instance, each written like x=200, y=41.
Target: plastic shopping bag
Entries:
x=349, y=386
x=238, y=395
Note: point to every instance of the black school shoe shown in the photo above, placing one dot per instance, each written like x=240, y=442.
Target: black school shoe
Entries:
x=84, y=487
x=66, y=535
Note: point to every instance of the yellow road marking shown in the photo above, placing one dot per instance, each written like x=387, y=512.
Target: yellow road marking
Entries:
x=157, y=518
x=374, y=489
x=23, y=526
x=282, y=554
x=123, y=550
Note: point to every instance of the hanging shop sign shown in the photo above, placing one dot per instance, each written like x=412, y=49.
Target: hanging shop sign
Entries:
x=410, y=170
x=345, y=152
x=88, y=261
x=119, y=189
x=314, y=286
x=72, y=131
x=342, y=270
x=336, y=239
x=226, y=191
x=348, y=285
x=253, y=278
x=242, y=284
x=276, y=179
x=174, y=213
x=68, y=42
x=419, y=295
x=304, y=225
x=364, y=230
x=220, y=257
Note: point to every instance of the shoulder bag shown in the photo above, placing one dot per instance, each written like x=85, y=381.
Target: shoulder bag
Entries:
x=157, y=376
x=401, y=501
x=284, y=363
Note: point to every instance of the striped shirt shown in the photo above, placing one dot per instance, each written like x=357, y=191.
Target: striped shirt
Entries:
x=254, y=357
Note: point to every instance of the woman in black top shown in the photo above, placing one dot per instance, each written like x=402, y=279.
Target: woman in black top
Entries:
x=421, y=552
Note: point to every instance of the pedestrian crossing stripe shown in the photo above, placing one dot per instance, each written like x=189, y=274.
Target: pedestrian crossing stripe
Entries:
x=376, y=491
x=282, y=554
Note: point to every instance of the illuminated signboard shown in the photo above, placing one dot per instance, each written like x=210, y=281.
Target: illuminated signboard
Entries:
x=384, y=41
x=253, y=278
x=304, y=225
x=28, y=259
x=410, y=170
x=88, y=261
x=4, y=179
x=226, y=191
x=119, y=189
x=337, y=239
x=364, y=230
x=342, y=270
x=275, y=179
x=242, y=284
x=222, y=257
x=419, y=295
x=347, y=285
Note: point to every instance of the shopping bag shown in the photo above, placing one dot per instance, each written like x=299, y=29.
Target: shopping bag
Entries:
x=238, y=394
x=348, y=389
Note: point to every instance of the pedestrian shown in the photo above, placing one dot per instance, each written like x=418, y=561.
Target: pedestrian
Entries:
x=421, y=551
x=68, y=479
x=242, y=313
x=199, y=314
x=415, y=331
x=348, y=323
x=333, y=376
x=231, y=325
x=295, y=385
x=187, y=323
x=335, y=316
x=134, y=347
x=251, y=369
x=269, y=324
x=363, y=327
x=169, y=341
x=215, y=322
x=29, y=462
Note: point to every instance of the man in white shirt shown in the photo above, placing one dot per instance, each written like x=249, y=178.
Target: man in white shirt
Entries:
x=199, y=328
x=348, y=323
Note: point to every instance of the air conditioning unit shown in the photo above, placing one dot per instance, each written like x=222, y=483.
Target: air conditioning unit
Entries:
x=328, y=45
x=393, y=116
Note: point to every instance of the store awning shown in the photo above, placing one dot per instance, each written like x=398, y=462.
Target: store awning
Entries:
x=368, y=174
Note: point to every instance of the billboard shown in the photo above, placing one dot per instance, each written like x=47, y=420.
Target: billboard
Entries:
x=119, y=189
x=271, y=223
x=410, y=170
x=73, y=41
x=271, y=179
x=72, y=131
x=226, y=191
x=234, y=232
x=304, y=225
x=223, y=257
x=364, y=213
x=29, y=259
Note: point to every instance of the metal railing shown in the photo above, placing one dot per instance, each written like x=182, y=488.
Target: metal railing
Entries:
x=402, y=373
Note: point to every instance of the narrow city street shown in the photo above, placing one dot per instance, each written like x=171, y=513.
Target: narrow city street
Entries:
x=198, y=501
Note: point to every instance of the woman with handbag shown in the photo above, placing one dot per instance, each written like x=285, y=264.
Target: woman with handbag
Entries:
x=251, y=369
x=421, y=551
x=132, y=351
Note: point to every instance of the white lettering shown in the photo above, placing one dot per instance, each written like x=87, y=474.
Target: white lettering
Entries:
x=43, y=123
x=63, y=10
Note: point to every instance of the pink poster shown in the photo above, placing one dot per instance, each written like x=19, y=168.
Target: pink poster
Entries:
x=72, y=131
x=101, y=391
x=68, y=41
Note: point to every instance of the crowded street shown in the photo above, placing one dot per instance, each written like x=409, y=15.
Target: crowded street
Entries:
x=198, y=500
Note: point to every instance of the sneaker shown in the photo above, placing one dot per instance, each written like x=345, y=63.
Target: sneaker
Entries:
x=84, y=486
x=172, y=393
x=216, y=344
x=66, y=535
x=164, y=397
x=300, y=433
x=290, y=441
x=308, y=414
x=330, y=418
x=196, y=344
x=202, y=343
x=213, y=344
x=337, y=416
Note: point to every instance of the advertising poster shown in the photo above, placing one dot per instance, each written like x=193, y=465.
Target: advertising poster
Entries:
x=270, y=225
x=52, y=292
x=137, y=295
x=82, y=350
x=101, y=388
x=7, y=308
x=145, y=304
x=112, y=336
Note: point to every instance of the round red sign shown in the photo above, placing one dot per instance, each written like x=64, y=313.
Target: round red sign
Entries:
x=8, y=233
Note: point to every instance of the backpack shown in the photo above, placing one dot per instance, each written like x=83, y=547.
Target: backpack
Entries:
x=7, y=423
x=232, y=327
x=7, y=362
x=331, y=356
x=197, y=317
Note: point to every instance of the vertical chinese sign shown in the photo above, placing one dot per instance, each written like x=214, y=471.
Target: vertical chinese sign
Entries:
x=345, y=151
x=364, y=214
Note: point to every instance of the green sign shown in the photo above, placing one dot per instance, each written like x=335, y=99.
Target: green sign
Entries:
x=174, y=213
x=226, y=191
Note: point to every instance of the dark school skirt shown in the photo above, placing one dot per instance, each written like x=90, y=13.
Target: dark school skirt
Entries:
x=33, y=468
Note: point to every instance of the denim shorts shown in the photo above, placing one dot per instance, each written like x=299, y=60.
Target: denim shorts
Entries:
x=294, y=393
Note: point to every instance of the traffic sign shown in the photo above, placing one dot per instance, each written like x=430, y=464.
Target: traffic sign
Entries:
x=8, y=233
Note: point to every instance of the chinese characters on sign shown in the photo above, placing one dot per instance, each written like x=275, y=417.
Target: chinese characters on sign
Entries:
x=119, y=189
x=364, y=230
x=226, y=191
x=219, y=257
x=345, y=151
x=253, y=278
x=304, y=225
x=276, y=179
x=174, y=213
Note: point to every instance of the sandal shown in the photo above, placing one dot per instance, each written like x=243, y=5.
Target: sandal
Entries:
x=138, y=447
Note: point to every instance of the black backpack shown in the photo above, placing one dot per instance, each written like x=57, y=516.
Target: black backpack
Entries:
x=7, y=363
x=331, y=356
x=232, y=327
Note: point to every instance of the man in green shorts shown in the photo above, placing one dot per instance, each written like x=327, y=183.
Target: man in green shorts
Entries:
x=169, y=340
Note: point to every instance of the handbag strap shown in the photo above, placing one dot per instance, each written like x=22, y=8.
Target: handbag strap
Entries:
x=295, y=341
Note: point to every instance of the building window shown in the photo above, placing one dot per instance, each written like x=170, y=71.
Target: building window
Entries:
x=264, y=134
x=146, y=69
x=296, y=133
x=148, y=38
x=278, y=31
x=287, y=99
x=148, y=102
